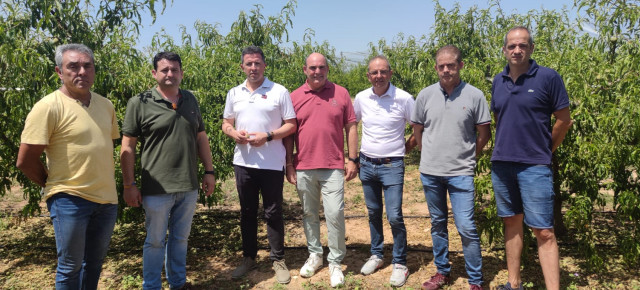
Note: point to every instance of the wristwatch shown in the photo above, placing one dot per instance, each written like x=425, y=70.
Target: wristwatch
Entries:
x=269, y=136
x=212, y=172
x=355, y=160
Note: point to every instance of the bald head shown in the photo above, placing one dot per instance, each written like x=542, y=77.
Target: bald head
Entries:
x=316, y=69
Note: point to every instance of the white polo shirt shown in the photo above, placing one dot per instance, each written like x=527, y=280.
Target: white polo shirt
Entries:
x=384, y=119
x=262, y=110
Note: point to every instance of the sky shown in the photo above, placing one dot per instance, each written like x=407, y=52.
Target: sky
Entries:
x=348, y=29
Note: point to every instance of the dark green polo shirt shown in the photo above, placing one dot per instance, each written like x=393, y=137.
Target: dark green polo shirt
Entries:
x=168, y=140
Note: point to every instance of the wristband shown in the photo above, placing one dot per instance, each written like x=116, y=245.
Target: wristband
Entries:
x=212, y=172
x=127, y=186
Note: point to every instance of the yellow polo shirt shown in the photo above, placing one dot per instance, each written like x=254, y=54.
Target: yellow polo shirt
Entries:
x=79, y=145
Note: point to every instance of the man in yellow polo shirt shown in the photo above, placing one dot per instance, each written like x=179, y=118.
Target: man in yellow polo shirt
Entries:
x=75, y=128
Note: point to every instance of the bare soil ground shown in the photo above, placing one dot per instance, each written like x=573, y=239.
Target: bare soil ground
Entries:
x=28, y=257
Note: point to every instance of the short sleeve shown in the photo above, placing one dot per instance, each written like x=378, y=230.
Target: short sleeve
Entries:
x=357, y=109
x=418, y=116
x=131, y=124
x=350, y=114
x=39, y=124
x=287, y=106
x=409, y=106
x=228, y=112
x=560, y=98
x=482, y=113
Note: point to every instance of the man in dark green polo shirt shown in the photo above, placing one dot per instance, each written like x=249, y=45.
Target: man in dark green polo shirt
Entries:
x=167, y=121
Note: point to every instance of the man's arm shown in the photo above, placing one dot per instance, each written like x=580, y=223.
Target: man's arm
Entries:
x=29, y=163
x=290, y=170
x=287, y=128
x=560, y=128
x=417, y=133
x=484, y=134
x=204, y=152
x=410, y=143
x=131, y=193
x=241, y=137
x=351, y=170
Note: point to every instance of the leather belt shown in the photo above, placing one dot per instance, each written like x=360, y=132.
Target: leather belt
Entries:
x=383, y=160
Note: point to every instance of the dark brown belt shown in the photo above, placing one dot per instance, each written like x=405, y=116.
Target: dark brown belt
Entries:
x=383, y=160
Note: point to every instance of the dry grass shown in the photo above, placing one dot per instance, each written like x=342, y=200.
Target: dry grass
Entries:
x=28, y=259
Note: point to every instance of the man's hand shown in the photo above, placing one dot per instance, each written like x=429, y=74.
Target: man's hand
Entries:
x=241, y=137
x=208, y=184
x=132, y=196
x=257, y=139
x=350, y=170
x=291, y=174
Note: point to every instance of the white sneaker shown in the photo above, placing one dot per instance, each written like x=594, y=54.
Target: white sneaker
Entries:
x=335, y=270
x=313, y=263
x=398, y=275
x=374, y=263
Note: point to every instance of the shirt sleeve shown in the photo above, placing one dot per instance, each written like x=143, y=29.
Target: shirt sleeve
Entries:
x=409, y=106
x=287, y=106
x=350, y=114
x=115, y=131
x=228, y=112
x=356, y=108
x=560, y=98
x=482, y=113
x=131, y=124
x=39, y=124
x=418, y=109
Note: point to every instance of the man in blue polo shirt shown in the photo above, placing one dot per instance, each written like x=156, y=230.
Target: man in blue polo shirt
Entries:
x=524, y=96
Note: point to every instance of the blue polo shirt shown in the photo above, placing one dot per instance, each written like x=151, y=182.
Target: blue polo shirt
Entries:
x=523, y=114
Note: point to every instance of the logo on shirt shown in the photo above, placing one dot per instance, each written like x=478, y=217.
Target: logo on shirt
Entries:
x=264, y=97
x=530, y=90
x=334, y=103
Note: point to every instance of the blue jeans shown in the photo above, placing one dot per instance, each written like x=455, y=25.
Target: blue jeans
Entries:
x=174, y=212
x=524, y=188
x=390, y=178
x=83, y=231
x=461, y=194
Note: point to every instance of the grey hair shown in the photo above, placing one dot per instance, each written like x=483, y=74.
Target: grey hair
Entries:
x=518, y=28
x=380, y=57
x=61, y=49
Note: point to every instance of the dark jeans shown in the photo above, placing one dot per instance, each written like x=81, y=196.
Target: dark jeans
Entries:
x=251, y=183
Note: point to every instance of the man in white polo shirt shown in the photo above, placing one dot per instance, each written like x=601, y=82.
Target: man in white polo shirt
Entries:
x=257, y=115
x=385, y=112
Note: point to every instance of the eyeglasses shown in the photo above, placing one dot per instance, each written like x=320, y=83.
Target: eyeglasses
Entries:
x=381, y=72
x=521, y=46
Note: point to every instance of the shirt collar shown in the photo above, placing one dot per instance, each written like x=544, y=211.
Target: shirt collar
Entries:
x=391, y=92
x=533, y=69
x=457, y=89
x=157, y=96
x=307, y=88
x=265, y=84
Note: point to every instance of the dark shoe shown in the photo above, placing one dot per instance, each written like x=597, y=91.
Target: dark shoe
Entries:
x=185, y=286
x=436, y=282
x=475, y=287
x=508, y=287
x=245, y=266
x=282, y=272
